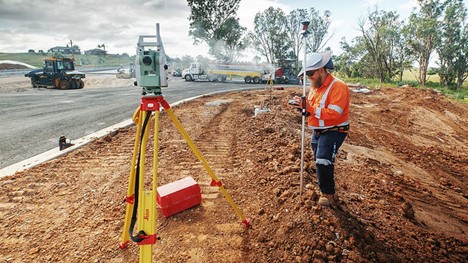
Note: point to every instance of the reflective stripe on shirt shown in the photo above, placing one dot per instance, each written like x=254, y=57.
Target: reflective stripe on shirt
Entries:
x=336, y=108
x=322, y=104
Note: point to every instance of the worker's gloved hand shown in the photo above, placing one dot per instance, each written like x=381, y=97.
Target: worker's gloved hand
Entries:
x=297, y=100
x=300, y=103
x=304, y=106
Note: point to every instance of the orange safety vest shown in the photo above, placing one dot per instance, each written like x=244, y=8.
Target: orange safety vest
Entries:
x=329, y=104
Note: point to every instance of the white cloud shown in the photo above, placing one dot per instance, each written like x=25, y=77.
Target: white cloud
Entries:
x=249, y=8
x=44, y=24
x=405, y=8
x=337, y=23
x=372, y=3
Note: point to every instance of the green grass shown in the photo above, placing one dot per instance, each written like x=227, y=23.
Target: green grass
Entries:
x=410, y=77
x=35, y=59
x=31, y=59
x=460, y=94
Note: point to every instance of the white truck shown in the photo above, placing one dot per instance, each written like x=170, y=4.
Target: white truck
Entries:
x=221, y=72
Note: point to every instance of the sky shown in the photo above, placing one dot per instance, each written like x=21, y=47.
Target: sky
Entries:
x=42, y=24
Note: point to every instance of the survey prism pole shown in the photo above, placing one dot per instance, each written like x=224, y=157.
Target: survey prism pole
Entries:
x=305, y=33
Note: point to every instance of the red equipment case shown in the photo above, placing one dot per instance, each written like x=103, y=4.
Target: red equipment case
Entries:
x=178, y=196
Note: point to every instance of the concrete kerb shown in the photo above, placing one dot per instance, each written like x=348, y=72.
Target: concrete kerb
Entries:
x=54, y=153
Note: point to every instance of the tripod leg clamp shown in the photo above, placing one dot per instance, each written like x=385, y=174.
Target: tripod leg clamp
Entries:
x=130, y=199
x=147, y=240
x=214, y=183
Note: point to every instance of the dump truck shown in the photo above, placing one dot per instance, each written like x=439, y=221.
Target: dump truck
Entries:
x=222, y=72
x=57, y=73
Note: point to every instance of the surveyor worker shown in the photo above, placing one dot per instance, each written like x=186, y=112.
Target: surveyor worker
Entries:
x=328, y=107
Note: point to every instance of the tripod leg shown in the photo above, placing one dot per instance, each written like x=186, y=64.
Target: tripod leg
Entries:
x=147, y=199
x=210, y=172
x=131, y=186
x=155, y=150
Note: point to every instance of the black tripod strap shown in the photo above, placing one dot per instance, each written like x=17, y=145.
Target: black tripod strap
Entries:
x=137, y=238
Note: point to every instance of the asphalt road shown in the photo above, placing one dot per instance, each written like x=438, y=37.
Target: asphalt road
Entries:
x=32, y=122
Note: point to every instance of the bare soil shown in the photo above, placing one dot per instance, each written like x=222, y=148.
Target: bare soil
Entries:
x=12, y=66
x=401, y=179
x=21, y=84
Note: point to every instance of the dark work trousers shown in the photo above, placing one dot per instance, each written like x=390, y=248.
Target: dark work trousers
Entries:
x=325, y=147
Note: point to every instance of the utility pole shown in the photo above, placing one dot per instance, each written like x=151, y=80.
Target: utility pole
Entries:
x=72, y=50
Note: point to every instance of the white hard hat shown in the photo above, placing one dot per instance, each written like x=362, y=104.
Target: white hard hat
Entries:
x=317, y=60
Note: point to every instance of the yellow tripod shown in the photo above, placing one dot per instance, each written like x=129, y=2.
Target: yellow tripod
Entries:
x=142, y=204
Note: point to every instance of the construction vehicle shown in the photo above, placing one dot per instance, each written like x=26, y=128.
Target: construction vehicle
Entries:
x=286, y=72
x=121, y=74
x=177, y=73
x=57, y=73
x=222, y=72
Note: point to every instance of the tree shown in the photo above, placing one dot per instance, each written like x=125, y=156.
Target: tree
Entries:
x=186, y=61
x=404, y=58
x=346, y=62
x=382, y=40
x=355, y=60
x=293, y=29
x=452, y=50
x=256, y=59
x=318, y=29
x=215, y=23
x=461, y=65
x=229, y=48
x=204, y=61
x=423, y=33
x=270, y=37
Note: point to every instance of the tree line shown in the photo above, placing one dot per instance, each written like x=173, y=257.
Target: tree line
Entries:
x=384, y=49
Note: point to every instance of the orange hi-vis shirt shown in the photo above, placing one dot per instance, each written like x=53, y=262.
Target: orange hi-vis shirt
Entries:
x=329, y=104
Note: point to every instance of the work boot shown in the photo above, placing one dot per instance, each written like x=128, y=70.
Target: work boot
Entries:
x=325, y=200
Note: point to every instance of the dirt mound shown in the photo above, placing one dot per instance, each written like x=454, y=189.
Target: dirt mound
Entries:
x=401, y=177
x=97, y=81
x=21, y=84
x=12, y=66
